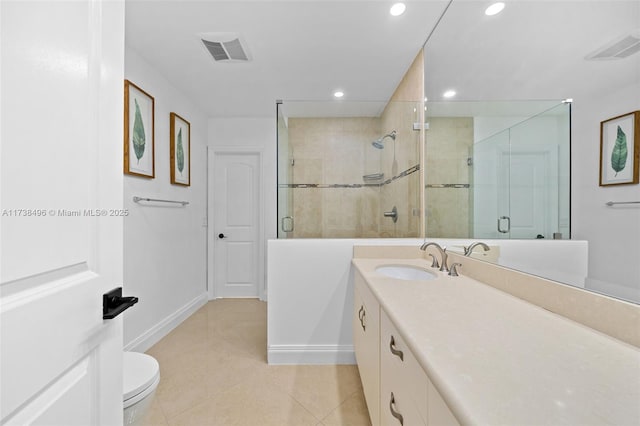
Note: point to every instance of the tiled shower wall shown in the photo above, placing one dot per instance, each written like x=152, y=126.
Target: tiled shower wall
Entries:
x=404, y=110
x=449, y=144
x=331, y=155
x=403, y=193
x=334, y=151
x=330, y=197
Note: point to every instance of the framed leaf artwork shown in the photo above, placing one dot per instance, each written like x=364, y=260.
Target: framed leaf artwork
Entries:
x=180, y=151
x=620, y=150
x=139, y=142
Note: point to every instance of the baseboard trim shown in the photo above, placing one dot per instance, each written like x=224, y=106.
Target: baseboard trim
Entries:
x=164, y=327
x=310, y=354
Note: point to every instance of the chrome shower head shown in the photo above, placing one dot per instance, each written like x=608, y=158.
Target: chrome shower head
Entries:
x=379, y=143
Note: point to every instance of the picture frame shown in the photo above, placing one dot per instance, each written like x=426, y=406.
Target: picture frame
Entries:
x=139, y=133
x=620, y=150
x=180, y=150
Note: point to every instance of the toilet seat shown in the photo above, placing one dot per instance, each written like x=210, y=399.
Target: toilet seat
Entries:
x=141, y=375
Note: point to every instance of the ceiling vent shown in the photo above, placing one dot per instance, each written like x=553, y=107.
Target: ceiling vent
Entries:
x=620, y=48
x=225, y=47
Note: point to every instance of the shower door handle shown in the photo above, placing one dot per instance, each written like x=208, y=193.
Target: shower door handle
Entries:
x=289, y=221
x=500, y=219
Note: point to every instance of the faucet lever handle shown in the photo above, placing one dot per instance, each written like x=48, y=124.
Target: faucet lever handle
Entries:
x=434, y=262
x=443, y=266
x=453, y=269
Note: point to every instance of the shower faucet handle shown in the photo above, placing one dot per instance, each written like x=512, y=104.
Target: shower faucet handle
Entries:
x=393, y=214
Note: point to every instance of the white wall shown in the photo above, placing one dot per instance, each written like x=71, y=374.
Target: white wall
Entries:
x=613, y=232
x=311, y=289
x=249, y=133
x=164, y=246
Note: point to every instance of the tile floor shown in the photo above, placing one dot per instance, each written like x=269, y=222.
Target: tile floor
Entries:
x=214, y=371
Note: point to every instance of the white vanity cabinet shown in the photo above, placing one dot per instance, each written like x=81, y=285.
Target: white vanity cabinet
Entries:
x=459, y=354
x=405, y=389
x=403, y=383
x=397, y=389
x=366, y=341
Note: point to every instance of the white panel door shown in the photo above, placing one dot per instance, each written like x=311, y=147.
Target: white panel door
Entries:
x=236, y=230
x=61, y=226
x=526, y=199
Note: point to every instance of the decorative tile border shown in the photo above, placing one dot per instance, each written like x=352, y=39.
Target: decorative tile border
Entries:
x=447, y=185
x=405, y=173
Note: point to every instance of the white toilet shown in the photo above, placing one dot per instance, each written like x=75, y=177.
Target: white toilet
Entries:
x=141, y=374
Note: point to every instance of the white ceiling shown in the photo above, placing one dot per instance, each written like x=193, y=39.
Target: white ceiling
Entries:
x=302, y=50
x=532, y=50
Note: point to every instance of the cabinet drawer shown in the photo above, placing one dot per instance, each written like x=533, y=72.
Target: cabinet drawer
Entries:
x=397, y=408
x=401, y=374
x=366, y=342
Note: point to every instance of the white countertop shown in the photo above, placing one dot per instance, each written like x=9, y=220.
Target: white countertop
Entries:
x=498, y=360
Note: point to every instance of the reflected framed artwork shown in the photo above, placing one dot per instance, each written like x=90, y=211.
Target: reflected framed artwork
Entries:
x=180, y=151
x=139, y=144
x=620, y=150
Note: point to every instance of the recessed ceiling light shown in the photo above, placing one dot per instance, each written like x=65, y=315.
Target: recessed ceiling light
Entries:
x=449, y=94
x=397, y=9
x=494, y=9
x=338, y=94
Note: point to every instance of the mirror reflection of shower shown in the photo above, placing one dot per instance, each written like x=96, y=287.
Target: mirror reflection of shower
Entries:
x=379, y=143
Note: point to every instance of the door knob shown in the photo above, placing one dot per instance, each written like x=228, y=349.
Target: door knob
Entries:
x=221, y=236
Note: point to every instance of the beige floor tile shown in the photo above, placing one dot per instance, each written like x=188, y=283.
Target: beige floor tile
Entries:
x=244, y=404
x=214, y=372
x=352, y=412
x=227, y=370
x=319, y=388
x=178, y=393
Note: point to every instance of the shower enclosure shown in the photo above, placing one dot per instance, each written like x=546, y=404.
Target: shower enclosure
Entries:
x=498, y=170
x=521, y=179
x=349, y=170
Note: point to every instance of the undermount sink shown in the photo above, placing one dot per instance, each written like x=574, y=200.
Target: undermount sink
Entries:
x=405, y=272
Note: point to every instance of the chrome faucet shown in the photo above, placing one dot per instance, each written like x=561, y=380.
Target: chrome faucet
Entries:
x=443, y=255
x=469, y=250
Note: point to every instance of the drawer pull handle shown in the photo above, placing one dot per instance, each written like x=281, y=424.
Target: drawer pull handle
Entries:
x=363, y=316
x=396, y=352
x=394, y=413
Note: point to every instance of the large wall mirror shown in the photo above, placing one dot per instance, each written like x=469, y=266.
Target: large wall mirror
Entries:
x=515, y=151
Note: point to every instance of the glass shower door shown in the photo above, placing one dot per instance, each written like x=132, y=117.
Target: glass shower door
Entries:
x=285, y=178
x=491, y=187
x=521, y=179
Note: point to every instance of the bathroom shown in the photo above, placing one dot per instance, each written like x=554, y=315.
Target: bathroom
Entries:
x=168, y=256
